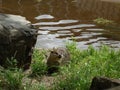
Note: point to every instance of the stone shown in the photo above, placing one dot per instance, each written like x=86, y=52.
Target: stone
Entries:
x=17, y=40
x=114, y=88
x=103, y=83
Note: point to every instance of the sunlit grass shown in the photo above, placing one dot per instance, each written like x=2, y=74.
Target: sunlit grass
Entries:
x=11, y=79
x=84, y=65
x=38, y=65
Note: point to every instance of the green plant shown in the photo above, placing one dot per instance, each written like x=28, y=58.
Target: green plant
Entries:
x=12, y=80
x=11, y=76
x=85, y=65
x=11, y=63
x=35, y=87
x=102, y=21
x=38, y=65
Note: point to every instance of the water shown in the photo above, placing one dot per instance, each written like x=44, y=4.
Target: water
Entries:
x=59, y=21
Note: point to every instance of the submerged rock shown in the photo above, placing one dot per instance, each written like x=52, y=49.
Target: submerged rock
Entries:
x=17, y=40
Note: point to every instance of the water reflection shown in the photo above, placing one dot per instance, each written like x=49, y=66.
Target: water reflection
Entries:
x=44, y=17
x=66, y=27
x=56, y=23
x=59, y=20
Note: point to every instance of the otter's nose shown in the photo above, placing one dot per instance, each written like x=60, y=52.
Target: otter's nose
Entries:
x=59, y=56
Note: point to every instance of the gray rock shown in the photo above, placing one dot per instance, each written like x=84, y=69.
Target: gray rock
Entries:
x=17, y=40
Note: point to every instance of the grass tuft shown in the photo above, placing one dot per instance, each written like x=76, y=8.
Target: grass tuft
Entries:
x=38, y=65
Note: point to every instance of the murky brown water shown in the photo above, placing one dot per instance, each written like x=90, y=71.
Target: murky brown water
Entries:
x=59, y=20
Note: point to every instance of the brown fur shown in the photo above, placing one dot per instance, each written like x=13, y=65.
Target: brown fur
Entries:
x=56, y=57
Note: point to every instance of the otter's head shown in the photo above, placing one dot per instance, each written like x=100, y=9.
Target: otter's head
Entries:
x=53, y=58
x=53, y=61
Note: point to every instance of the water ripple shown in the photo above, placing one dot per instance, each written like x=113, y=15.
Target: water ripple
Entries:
x=45, y=16
x=57, y=23
x=66, y=27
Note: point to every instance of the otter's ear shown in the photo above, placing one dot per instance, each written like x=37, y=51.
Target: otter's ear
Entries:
x=54, y=49
x=49, y=50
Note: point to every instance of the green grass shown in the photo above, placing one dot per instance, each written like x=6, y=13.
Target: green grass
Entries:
x=84, y=65
x=35, y=87
x=38, y=65
x=11, y=79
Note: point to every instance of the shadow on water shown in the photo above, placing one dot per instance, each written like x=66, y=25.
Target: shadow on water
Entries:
x=59, y=20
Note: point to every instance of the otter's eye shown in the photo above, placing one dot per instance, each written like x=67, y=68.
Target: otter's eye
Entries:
x=52, y=52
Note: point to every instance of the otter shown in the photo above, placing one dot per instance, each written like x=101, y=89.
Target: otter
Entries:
x=57, y=57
